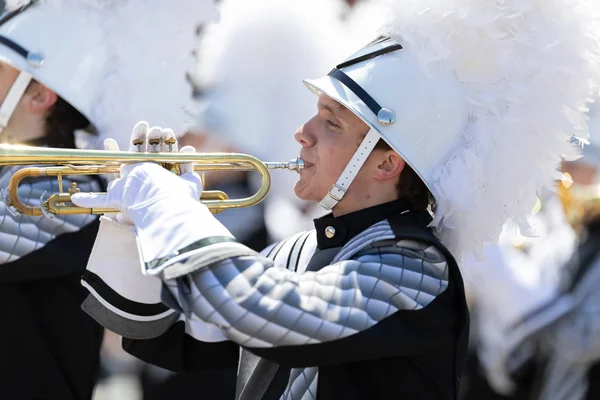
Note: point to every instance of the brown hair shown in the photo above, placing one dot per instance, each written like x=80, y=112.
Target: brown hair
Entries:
x=62, y=122
x=410, y=187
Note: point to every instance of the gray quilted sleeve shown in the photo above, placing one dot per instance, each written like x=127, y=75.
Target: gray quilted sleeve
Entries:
x=22, y=235
x=259, y=306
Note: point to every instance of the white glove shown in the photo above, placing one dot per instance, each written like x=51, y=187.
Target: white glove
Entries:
x=164, y=208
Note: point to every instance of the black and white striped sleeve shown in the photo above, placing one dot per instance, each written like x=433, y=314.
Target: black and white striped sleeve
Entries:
x=301, y=319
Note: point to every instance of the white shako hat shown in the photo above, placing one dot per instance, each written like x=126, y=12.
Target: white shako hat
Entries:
x=54, y=46
x=115, y=61
x=481, y=98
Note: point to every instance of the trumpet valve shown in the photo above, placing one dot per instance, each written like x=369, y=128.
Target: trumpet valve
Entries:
x=154, y=143
x=171, y=142
x=73, y=189
x=138, y=143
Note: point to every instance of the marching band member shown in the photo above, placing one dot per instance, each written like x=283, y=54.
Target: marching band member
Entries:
x=571, y=366
x=67, y=69
x=518, y=280
x=417, y=148
x=560, y=338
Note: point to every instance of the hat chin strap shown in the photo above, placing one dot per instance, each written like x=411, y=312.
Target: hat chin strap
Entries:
x=13, y=97
x=337, y=191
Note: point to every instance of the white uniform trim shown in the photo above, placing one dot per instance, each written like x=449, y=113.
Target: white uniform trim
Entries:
x=124, y=314
x=13, y=97
x=337, y=191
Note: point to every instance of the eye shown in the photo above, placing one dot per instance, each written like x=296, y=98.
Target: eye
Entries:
x=333, y=125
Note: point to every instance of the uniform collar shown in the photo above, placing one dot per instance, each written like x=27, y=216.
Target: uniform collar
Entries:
x=337, y=231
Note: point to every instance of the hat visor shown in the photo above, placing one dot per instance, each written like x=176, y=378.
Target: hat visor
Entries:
x=340, y=93
x=8, y=56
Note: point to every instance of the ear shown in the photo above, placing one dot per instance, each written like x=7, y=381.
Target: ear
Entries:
x=39, y=99
x=389, y=165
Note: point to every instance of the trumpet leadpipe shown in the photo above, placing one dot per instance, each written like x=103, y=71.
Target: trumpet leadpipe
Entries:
x=296, y=164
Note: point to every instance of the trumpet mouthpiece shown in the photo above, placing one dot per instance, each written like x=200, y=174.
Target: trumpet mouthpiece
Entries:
x=297, y=164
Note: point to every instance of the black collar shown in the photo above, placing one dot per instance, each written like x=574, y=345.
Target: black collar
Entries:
x=341, y=229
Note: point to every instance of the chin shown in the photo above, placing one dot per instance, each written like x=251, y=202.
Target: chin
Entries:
x=299, y=192
x=302, y=192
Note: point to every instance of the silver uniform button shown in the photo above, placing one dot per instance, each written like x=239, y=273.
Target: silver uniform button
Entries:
x=330, y=232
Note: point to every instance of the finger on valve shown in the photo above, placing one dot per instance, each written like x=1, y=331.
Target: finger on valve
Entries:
x=155, y=139
x=139, y=137
x=168, y=141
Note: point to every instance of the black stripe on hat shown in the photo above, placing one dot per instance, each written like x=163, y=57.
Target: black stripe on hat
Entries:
x=11, y=44
x=338, y=74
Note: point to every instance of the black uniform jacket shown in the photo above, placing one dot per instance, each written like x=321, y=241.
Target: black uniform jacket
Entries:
x=394, y=320
x=49, y=348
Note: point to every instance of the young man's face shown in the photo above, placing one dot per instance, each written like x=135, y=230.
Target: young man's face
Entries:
x=328, y=141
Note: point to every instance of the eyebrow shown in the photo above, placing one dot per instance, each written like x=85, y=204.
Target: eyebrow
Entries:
x=332, y=109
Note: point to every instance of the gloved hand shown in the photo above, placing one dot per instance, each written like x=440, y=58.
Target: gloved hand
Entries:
x=163, y=207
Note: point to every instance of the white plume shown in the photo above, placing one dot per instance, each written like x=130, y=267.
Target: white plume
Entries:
x=529, y=68
x=363, y=21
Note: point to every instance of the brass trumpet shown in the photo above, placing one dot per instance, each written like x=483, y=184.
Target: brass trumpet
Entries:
x=98, y=162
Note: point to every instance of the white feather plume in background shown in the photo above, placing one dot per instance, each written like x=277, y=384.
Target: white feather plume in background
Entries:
x=529, y=67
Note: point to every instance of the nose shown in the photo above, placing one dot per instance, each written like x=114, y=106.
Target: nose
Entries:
x=304, y=137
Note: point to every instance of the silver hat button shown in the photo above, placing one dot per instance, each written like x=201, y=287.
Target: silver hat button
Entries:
x=35, y=59
x=330, y=232
x=386, y=117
